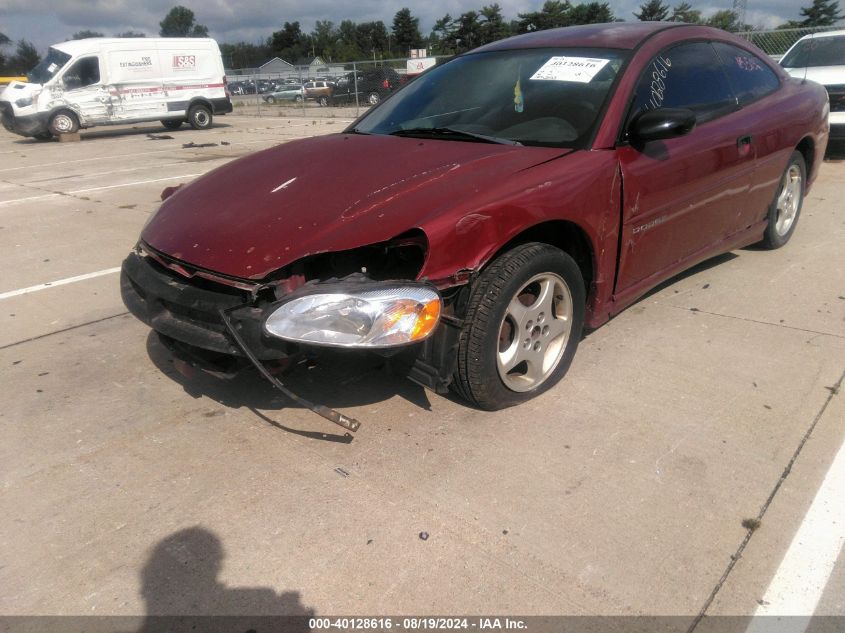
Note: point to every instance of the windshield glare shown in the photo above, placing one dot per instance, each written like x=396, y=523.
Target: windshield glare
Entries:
x=546, y=97
x=816, y=51
x=48, y=67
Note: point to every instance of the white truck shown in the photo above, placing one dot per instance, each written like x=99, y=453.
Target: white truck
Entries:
x=109, y=81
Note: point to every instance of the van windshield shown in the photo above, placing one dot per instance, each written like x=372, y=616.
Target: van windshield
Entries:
x=48, y=67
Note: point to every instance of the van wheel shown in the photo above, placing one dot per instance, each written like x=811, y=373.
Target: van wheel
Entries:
x=199, y=116
x=522, y=326
x=323, y=101
x=172, y=124
x=63, y=123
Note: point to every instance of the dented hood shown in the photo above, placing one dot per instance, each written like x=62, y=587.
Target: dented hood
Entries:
x=254, y=215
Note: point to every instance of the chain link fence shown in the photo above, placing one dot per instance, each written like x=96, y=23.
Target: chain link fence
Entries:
x=776, y=42
x=342, y=90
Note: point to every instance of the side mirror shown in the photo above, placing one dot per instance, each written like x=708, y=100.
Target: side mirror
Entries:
x=663, y=123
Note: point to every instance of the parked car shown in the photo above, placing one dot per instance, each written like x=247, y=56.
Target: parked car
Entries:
x=372, y=86
x=820, y=57
x=319, y=91
x=490, y=210
x=288, y=92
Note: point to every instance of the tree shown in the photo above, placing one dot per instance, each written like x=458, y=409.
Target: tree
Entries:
x=685, y=13
x=131, y=34
x=25, y=59
x=726, y=20
x=180, y=22
x=406, y=31
x=493, y=25
x=441, y=35
x=821, y=13
x=4, y=41
x=82, y=35
x=554, y=14
x=290, y=44
x=591, y=13
x=652, y=11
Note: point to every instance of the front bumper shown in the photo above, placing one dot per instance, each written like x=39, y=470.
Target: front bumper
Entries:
x=187, y=310
x=31, y=125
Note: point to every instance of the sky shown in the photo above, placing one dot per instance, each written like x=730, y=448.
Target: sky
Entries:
x=44, y=22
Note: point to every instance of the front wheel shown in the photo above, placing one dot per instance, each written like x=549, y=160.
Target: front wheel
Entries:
x=63, y=123
x=323, y=101
x=523, y=324
x=373, y=98
x=786, y=207
x=199, y=116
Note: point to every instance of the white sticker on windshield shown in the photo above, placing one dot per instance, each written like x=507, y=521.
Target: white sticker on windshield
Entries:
x=52, y=68
x=579, y=69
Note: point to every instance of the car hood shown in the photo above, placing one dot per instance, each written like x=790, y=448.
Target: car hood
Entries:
x=257, y=214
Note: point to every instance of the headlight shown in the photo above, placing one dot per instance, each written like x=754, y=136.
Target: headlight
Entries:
x=385, y=316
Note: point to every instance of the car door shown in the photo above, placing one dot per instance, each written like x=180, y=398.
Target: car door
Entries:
x=85, y=92
x=680, y=195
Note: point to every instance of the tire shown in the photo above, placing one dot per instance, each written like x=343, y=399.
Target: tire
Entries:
x=323, y=101
x=298, y=99
x=786, y=207
x=373, y=98
x=63, y=122
x=199, y=116
x=172, y=124
x=510, y=351
x=270, y=100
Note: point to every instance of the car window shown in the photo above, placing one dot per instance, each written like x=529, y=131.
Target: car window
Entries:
x=816, y=51
x=84, y=72
x=686, y=76
x=749, y=76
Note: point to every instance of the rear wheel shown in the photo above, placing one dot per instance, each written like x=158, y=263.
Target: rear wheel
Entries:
x=373, y=98
x=323, y=101
x=64, y=123
x=298, y=99
x=523, y=324
x=199, y=116
x=271, y=100
x=172, y=124
x=786, y=207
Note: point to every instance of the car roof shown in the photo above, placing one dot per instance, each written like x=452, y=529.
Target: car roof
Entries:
x=623, y=35
x=838, y=33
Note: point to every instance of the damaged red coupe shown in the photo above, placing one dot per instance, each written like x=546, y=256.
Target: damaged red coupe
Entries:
x=473, y=223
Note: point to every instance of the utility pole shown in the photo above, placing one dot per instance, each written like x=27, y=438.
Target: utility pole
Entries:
x=739, y=11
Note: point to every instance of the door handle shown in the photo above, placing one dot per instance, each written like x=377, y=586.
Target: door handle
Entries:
x=743, y=140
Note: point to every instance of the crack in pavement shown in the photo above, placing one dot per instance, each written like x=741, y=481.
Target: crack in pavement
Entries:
x=834, y=391
x=750, y=320
x=67, y=329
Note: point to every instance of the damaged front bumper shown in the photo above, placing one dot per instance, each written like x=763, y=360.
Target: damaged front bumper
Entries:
x=32, y=125
x=190, y=315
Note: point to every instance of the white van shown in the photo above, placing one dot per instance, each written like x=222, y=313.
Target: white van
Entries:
x=108, y=81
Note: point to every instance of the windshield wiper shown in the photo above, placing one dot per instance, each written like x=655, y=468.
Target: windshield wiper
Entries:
x=450, y=132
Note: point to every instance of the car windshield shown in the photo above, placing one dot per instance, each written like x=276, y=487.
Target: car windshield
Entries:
x=48, y=67
x=816, y=51
x=546, y=97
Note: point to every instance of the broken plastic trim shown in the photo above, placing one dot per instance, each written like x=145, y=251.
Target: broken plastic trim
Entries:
x=331, y=415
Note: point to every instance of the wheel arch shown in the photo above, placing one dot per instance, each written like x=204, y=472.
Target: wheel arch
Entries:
x=807, y=147
x=200, y=101
x=563, y=234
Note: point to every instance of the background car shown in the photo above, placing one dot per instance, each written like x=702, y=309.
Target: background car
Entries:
x=820, y=57
x=288, y=92
x=319, y=91
x=372, y=86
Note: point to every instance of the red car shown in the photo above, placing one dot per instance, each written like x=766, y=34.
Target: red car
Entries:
x=488, y=211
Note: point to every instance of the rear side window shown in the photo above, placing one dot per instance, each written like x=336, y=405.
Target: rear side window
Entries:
x=816, y=51
x=748, y=75
x=686, y=76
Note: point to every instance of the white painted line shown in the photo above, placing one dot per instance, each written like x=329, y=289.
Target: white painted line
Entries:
x=60, y=282
x=75, y=191
x=801, y=579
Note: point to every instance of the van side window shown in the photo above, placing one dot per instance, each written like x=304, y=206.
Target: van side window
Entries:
x=84, y=72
